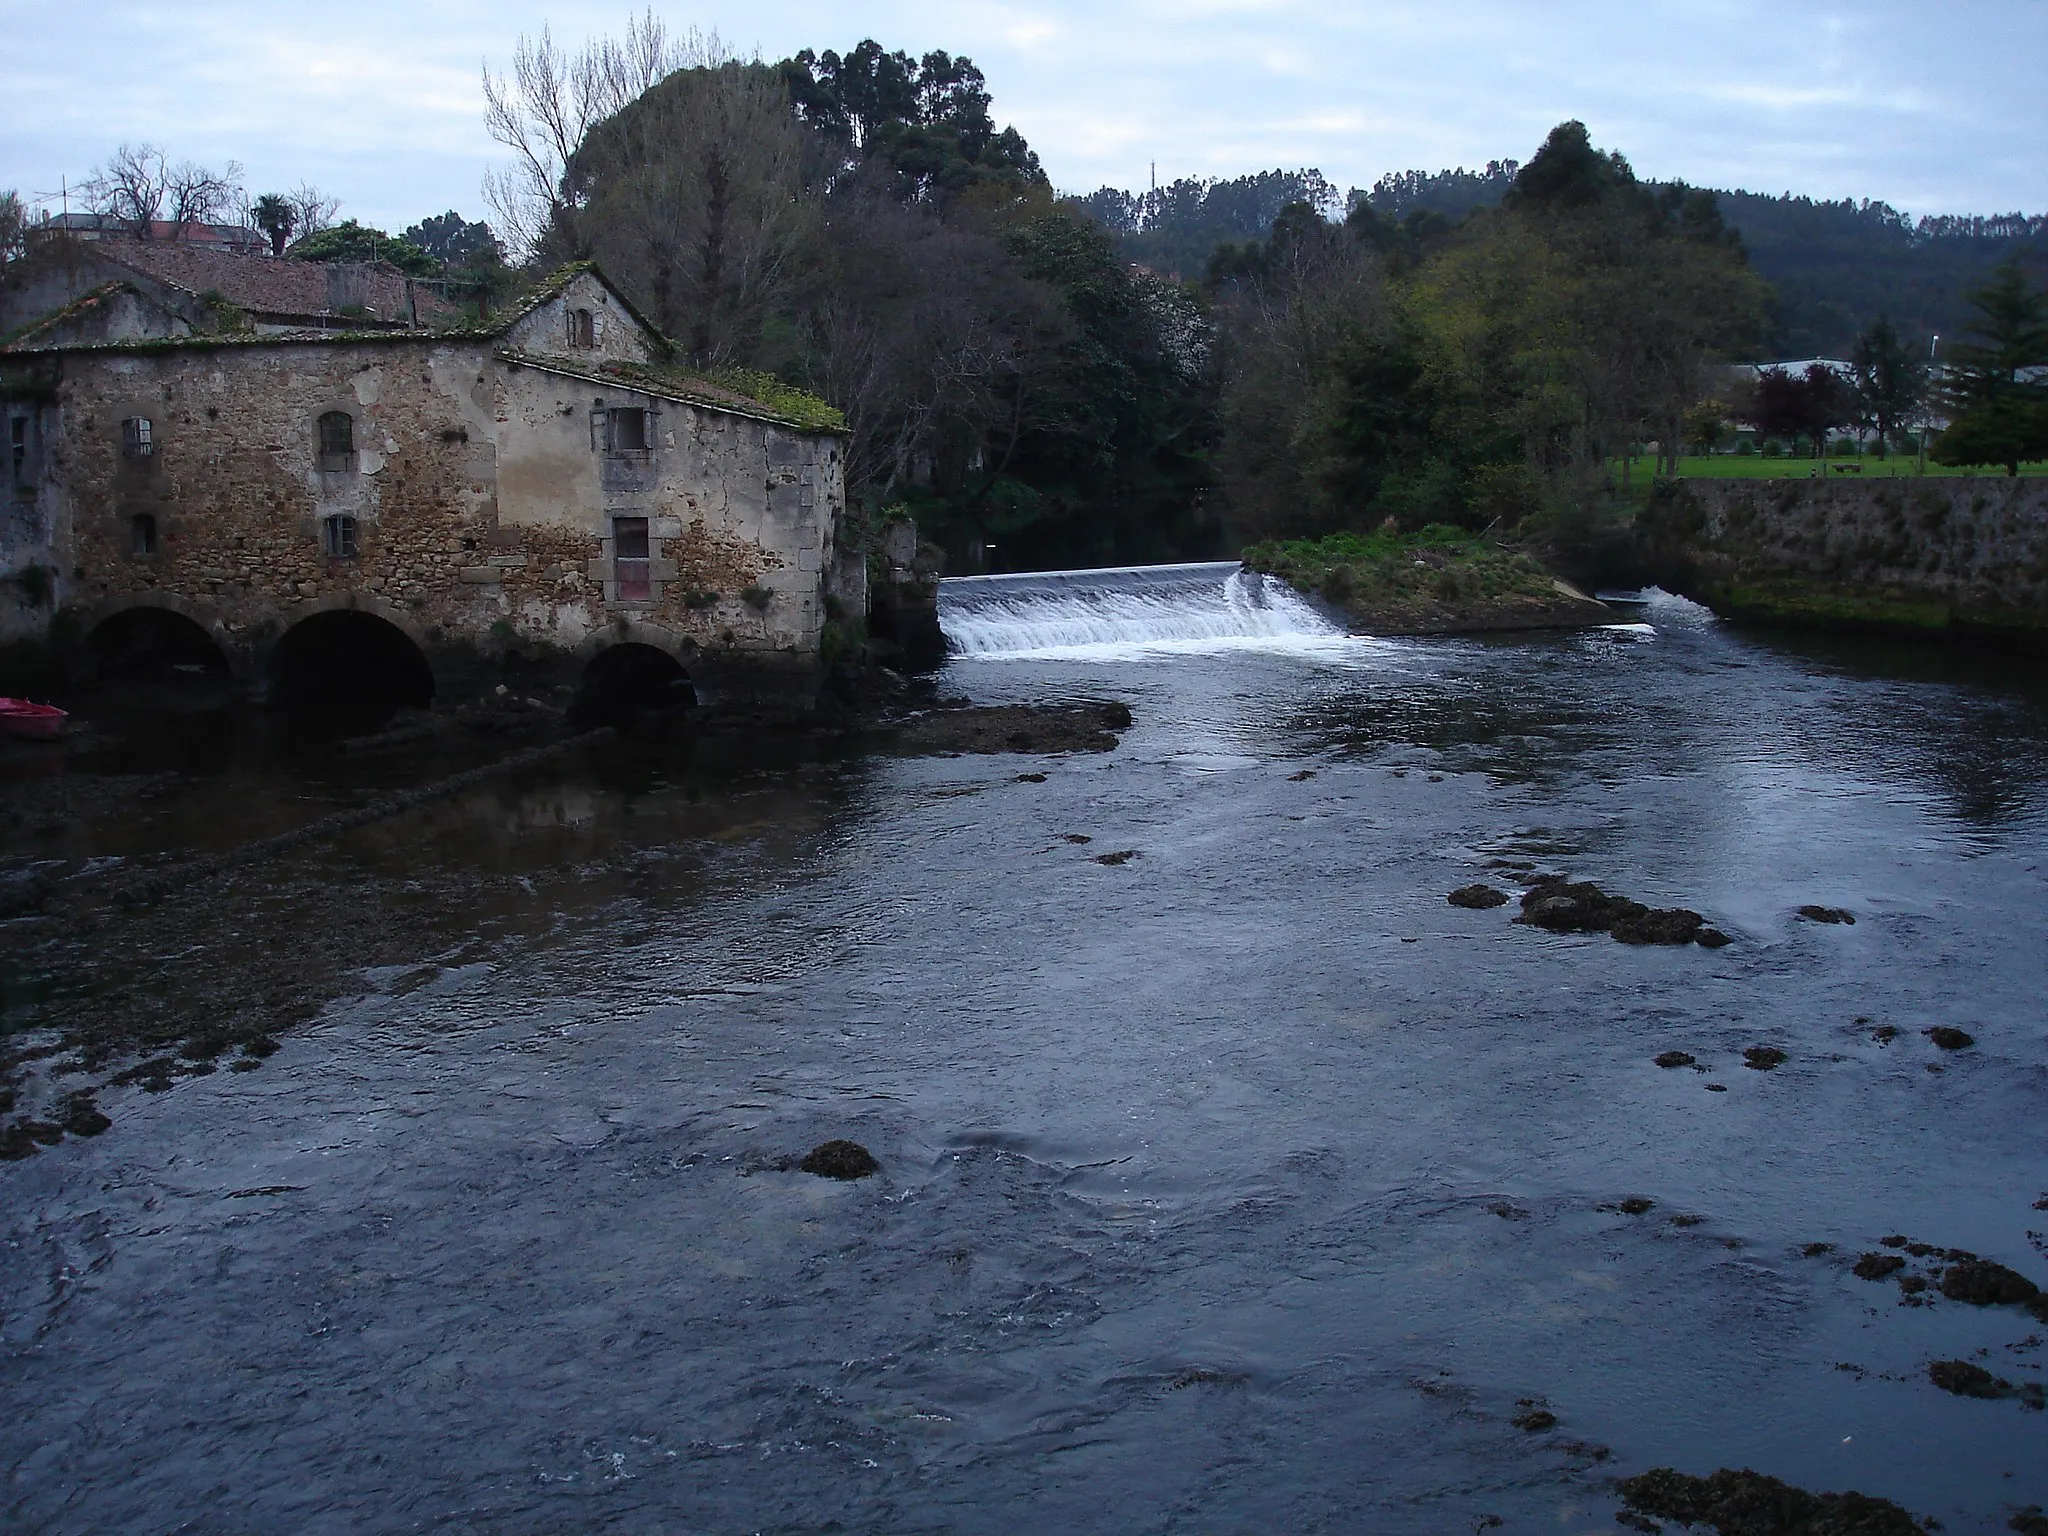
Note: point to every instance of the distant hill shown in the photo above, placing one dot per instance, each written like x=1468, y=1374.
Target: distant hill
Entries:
x=1836, y=266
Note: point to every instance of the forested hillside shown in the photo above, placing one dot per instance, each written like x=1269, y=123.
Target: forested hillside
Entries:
x=1834, y=267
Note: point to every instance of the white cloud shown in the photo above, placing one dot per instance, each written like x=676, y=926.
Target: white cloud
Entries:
x=1935, y=112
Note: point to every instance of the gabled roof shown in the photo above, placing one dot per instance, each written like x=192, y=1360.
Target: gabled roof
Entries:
x=278, y=286
x=742, y=392
x=77, y=309
x=101, y=226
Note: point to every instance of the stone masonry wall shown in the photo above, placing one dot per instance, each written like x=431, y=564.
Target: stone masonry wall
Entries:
x=1908, y=553
x=482, y=495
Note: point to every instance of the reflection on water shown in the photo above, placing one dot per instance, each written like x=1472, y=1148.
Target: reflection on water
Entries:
x=1243, y=1184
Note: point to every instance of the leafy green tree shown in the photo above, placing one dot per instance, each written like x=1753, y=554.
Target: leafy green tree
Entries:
x=702, y=196
x=1996, y=393
x=452, y=240
x=926, y=119
x=350, y=241
x=1887, y=379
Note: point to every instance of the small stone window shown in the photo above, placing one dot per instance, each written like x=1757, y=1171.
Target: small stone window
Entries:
x=17, y=448
x=582, y=329
x=138, y=437
x=338, y=537
x=142, y=534
x=631, y=577
x=626, y=430
x=337, y=441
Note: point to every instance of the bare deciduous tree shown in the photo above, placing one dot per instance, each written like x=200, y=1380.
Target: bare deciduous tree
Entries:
x=312, y=210
x=140, y=186
x=13, y=225
x=546, y=108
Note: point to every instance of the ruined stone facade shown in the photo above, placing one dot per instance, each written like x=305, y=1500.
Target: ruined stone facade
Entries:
x=545, y=490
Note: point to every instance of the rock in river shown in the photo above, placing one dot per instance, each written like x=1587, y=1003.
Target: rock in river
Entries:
x=1477, y=898
x=840, y=1160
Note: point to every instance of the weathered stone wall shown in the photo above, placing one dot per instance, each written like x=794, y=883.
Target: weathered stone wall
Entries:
x=29, y=555
x=482, y=495
x=1921, y=554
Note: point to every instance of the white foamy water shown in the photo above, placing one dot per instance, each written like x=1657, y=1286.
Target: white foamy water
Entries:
x=1131, y=610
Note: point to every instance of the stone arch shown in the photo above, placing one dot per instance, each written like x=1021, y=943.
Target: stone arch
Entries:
x=629, y=682
x=348, y=660
x=627, y=630
x=156, y=636
x=362, y=602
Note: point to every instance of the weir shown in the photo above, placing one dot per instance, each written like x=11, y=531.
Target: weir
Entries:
x=1199, y=605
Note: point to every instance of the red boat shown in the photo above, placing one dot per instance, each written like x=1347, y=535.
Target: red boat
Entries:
x=18, y=717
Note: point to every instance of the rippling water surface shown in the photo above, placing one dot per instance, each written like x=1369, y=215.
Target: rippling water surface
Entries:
x=1243, y=1186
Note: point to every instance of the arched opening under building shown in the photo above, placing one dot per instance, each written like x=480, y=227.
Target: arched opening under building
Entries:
x=354, y=666
x=629, y=685
x=153, y=645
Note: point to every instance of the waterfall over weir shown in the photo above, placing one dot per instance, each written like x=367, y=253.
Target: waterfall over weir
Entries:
x=1213, y=605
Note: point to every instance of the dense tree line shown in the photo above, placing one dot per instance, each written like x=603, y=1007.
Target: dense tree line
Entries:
x=1834, y=267
x=859, y=225
x=1480, y=372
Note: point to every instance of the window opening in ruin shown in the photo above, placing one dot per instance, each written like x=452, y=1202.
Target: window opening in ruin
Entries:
x=337, y=440
x=338, y=537
x=17, y=442
x=142, y=534
x=626, y=429
x=582, y=328
x=138, y=437
x=632, y=577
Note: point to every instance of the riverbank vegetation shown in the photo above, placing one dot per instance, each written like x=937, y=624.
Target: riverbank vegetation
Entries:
x=1480, y=375
x=1434, y=578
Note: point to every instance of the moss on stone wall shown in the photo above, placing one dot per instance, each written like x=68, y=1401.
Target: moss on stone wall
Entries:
x=1940, y=558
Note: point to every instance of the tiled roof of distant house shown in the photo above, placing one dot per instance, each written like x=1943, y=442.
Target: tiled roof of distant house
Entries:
x=100, y=226
x=280, y=288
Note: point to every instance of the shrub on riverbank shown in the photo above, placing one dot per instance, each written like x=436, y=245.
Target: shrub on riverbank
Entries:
x=1374, y=573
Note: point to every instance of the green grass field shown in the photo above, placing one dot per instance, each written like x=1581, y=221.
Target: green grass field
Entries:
x=1754, y=466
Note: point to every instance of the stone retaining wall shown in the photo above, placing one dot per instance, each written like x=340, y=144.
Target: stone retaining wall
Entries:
x=1967, y=556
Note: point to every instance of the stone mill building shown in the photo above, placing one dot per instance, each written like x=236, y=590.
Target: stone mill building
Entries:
x=546, y=490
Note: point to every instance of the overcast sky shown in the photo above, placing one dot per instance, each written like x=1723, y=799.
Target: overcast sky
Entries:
x=1935, y=108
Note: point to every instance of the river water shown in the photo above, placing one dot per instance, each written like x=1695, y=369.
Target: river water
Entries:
x=1244, y=1185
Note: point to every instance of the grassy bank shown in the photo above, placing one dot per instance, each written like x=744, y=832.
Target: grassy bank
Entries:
x=1437, y=580
x=1755, y=466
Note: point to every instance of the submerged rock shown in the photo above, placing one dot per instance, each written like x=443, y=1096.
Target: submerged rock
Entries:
x=1746, y=1503
x=1477, y=898
x=1558, y=905
x=1878, y=1266
x=1763, y=1058
x=83, y=1116
x=1121, y=856
x=995, y=728
x=1982, y=1283
x=1535, y=1420
x=840, y=1160
x=1676, y=1059
x=1950, y=1038
x=1814, y=914
x=1965, y=1379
